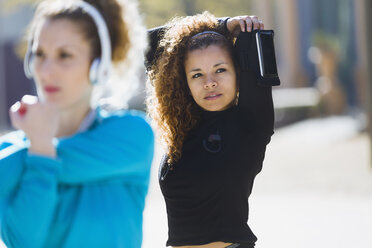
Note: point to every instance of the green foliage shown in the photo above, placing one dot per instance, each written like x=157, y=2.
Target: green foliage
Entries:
x=8, y=6
x=326, y=41
x=158, y=12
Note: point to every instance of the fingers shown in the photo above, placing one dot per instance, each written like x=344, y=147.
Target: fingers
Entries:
x=15, y=107
x=239, y=24
x=262, y=26
x=16, y=112
x=28, y=99
x=248, y=21
x=242, y=25
x=253, y=23
x=19, y=109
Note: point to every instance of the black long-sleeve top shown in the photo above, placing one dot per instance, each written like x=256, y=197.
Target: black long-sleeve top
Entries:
x=206, y=191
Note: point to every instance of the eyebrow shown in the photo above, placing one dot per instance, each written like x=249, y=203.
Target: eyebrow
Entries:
x=62, y=47
x=69, y=47
x=198, y=69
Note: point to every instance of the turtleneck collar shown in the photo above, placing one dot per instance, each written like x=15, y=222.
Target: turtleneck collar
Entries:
x=207, y=115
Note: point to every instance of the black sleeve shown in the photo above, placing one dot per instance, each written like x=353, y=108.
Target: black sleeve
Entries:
x=156, y=34
x=255, y=98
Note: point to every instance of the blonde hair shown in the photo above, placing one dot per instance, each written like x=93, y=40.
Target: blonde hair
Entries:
x=128, y=38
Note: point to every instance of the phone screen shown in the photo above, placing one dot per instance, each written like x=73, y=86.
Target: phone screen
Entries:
x=266, y=53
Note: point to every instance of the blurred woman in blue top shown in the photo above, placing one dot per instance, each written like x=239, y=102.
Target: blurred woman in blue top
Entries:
x=76, y=172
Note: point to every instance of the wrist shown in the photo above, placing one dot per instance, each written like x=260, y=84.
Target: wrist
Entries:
x=43, y=148
x=225, y=24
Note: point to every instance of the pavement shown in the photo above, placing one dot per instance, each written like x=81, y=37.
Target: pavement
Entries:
x=315, y=190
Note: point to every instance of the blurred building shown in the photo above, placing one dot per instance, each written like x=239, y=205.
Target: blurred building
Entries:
x=320, y=46
x=13, y=83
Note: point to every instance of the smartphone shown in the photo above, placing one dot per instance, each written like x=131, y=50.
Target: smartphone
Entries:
x=266, y=53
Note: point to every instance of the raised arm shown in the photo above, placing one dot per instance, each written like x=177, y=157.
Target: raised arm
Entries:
x=255, y=101
x=119, y=147
x=28, y=210
x=154, y=35
x=28, y=186
x=12, y=153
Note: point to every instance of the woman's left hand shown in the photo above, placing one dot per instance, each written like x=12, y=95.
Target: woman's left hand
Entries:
x=238, y=24
x=39, y=121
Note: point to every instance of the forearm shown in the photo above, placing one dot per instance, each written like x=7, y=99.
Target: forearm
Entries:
x=82, y=163
x=11, y=168
x=121, y=147
x=255, y=100
x=30, y=209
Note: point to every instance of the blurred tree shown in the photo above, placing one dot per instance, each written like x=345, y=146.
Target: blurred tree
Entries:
x=368, y=21
x=8, y=6
x=158, y=12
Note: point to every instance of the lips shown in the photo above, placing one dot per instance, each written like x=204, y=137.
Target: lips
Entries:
x=212, y=96
x=51, y=89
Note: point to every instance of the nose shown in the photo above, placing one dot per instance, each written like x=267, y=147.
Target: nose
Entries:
x=210, y=83
x=45, y=69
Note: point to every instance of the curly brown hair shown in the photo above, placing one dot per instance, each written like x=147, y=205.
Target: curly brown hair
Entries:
x=170, y=103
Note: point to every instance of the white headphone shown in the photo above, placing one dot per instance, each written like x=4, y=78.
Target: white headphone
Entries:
x=100, y=68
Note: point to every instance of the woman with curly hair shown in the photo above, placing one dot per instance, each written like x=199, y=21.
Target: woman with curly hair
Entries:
x=76, y=172
x=215, y=121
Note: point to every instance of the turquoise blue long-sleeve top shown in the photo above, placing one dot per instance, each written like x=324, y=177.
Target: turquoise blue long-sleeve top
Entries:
x=91, y=195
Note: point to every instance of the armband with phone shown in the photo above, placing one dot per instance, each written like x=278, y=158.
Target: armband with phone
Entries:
x=256, y=52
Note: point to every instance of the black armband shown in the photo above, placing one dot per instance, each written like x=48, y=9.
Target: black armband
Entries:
x=255, y=52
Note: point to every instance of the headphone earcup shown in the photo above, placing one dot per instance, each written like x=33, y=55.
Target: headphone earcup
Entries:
x=94, y=71
x=29, y=64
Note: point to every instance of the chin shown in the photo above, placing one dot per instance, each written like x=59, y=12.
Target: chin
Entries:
x=214, y=109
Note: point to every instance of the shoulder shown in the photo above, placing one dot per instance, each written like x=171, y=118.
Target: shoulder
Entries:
x=17, y=138
x=126, y=122
x=123, y=117
x=12, y=143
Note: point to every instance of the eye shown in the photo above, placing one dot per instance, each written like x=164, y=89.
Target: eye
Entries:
x=65, y=55
x=39, y=54
x=220, y=70
x=197, y=75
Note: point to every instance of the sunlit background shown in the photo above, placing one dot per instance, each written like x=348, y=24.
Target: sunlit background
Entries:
x=315, y=189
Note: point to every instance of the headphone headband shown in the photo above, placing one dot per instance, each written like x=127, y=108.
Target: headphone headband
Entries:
x=101, y=67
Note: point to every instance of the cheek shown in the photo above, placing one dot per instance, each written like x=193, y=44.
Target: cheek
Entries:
x=230, y=83
x=78, y=81
x=194, y=89
x=234, y=83
x=80, y=72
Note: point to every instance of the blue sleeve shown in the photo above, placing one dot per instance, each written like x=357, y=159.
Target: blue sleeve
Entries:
x=12, y=153
x=120, y=147
x=11, y=167
x=29, y=210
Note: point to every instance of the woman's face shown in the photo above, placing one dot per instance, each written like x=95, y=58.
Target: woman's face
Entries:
x=211, y=77
x=62, y=62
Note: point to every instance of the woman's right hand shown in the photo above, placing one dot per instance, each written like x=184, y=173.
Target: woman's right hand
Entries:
x=39, y=121
x=238, y=24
